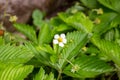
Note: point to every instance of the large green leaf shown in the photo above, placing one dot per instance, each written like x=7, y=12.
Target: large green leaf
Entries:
x=105, y=23
x=14, y=72
x=42, y=76
x=79, y=21
x=114, y=5
x=14, y=54
x=27, y=30
x=110, y=49
x=88, y=67
x=75, y=41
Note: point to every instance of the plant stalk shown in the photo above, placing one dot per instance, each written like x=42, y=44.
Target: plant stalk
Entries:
x=59, y=75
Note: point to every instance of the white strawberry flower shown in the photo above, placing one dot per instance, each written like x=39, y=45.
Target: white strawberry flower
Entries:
x=60, y=39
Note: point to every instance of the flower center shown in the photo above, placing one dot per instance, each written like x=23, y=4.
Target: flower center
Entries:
x=60, y=39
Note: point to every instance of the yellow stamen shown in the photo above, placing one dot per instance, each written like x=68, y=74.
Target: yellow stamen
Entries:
x=60, y=39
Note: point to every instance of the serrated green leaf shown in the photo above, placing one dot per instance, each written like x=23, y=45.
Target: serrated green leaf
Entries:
x=114, y=5
x=88, y=67
x=105, y=23
x=41, y=55
x=79, y=21
x=110, y=50
x=75, y=41
x=27, y=30
x=40, y=75
x=15, y=72
x=14, y=54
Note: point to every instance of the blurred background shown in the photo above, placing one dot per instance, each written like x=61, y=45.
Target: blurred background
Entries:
x=23, y=9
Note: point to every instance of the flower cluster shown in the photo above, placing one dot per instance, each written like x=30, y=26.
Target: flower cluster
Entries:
x=60, y=40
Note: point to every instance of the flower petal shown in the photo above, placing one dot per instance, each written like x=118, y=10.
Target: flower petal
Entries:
x=62, y=35
x=61, y=44
x=55, y=41
x=65, y=41
x=56, y=36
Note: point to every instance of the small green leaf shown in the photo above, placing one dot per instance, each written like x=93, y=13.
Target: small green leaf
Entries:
x=42, y=76
x=27, y=30
x=37, y=18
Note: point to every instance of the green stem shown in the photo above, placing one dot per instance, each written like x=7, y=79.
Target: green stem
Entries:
x=69, y=62
x=59, y=75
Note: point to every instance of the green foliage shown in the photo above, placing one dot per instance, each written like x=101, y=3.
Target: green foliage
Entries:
x=90, y=3
x=12, y=54
x=42, y=76
x=14, y=72
x=105, y=23
x=37, y=18
x=114, y=5
x=91, y=51
x=88, y=67
x=79, y=21
x=2, y=41
x=109, y=49
x=27, y=30
x=44, y=35
x=76, y=40
x=12, y=59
